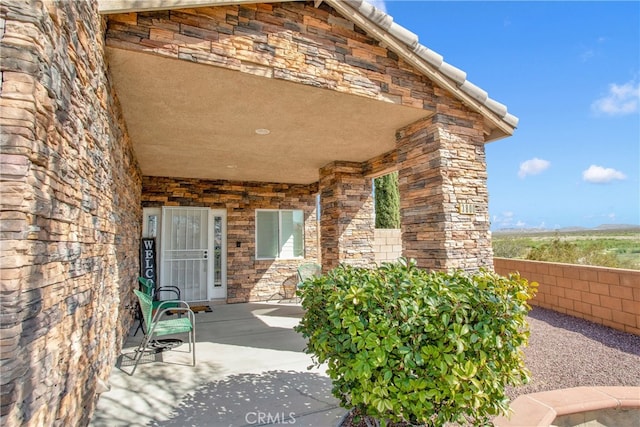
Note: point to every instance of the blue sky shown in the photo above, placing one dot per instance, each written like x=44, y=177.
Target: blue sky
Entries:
x=570, y=71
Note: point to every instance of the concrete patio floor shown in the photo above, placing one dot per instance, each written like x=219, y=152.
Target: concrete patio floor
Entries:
x=250, y=370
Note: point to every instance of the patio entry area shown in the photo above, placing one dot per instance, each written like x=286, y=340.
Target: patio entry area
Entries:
x=250, y=370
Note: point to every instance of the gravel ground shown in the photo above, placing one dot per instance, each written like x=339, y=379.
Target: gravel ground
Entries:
x=565, y=351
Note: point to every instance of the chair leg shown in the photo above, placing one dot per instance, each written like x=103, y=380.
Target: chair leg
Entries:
x=139, y=352
x=192, y=338
x=140, y=328
x=140, y=320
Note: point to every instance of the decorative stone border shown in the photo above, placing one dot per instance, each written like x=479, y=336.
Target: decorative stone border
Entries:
x=541, y=409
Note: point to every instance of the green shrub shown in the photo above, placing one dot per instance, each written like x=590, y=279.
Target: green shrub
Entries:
x=511, y=247
x=555, y=251
x=587, y=253
x=406, y=345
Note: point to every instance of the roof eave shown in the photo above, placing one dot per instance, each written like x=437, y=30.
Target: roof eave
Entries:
x=444, y=75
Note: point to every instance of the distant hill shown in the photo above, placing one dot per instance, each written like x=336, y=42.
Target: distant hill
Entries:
x=571, y=229
x=616, y=227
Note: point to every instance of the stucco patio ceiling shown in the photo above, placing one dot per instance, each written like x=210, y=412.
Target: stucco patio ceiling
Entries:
x=197, y=121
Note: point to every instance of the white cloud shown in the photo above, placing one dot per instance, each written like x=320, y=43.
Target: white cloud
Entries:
x=506, y=220
x=380, y=4
x=620, y=100
x=599, y=175
x=587, y=54
x=533, y=167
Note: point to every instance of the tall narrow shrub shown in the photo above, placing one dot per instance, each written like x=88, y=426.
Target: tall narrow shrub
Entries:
x=387, y=201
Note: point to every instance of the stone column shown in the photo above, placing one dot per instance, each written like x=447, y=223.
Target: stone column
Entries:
x=443, y=192
x=346, y=212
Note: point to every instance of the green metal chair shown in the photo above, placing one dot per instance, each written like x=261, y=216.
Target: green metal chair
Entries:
x=149, y=288
x=307, y=270
x=155, y=326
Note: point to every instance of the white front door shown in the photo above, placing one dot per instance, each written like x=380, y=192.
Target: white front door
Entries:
x=193, y=252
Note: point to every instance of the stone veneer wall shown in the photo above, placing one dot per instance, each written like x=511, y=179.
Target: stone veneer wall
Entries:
x=248, y=279
x=292, y=41
x=70, y=214
x=441, y=167
x=609, y=296
x=347, y=215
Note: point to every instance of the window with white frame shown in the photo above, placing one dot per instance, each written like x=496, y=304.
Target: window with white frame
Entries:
x=279, y=234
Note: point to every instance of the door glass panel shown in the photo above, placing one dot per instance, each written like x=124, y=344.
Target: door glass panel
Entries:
x=217, y=252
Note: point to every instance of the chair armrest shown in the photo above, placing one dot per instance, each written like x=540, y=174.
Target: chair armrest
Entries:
x=173, y=289
x=160, y=288
x=182, y=304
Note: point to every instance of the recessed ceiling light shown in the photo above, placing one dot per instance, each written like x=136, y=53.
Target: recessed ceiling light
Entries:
x=263, y=131
x=232, y=166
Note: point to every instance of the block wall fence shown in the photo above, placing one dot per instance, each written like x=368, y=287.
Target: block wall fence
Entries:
x=387, y=245
x=608, y=296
